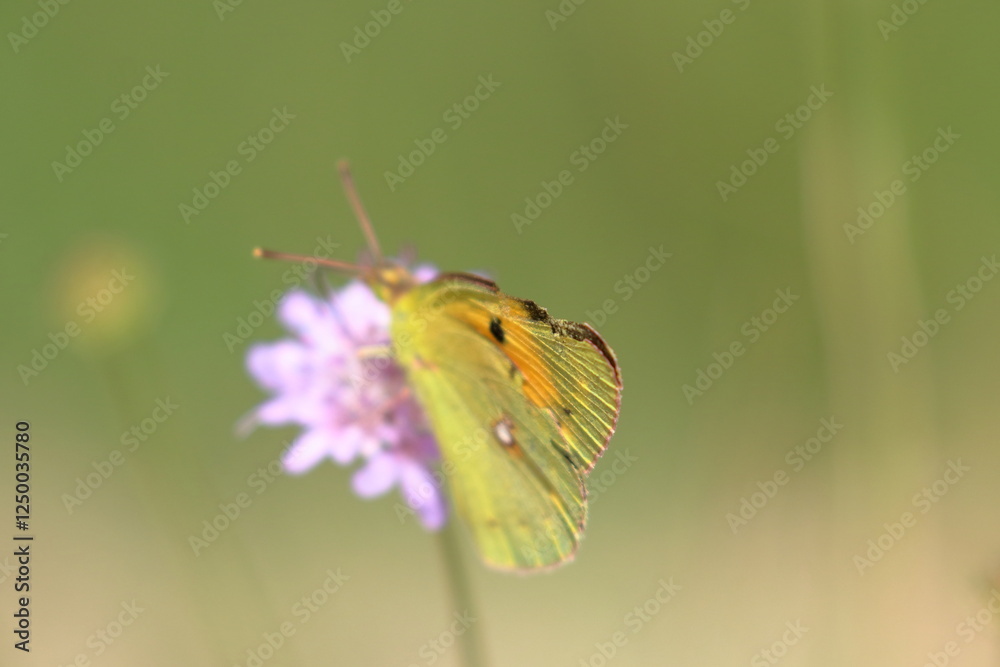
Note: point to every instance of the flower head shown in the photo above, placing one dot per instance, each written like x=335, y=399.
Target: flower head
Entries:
x=337, y=380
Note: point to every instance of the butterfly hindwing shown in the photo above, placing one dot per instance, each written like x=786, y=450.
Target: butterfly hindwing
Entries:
x=521, y=405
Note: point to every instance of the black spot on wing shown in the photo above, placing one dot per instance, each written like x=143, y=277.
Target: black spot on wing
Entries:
x=566, y=455
x=535, y=312
x=497, y=329
x=573, y=330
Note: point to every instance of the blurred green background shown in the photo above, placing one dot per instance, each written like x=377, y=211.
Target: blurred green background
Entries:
x=702, y=89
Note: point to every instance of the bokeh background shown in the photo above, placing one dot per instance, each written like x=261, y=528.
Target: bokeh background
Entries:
x=900, y=75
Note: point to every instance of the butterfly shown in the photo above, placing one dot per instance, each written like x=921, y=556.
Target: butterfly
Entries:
x=521, y=404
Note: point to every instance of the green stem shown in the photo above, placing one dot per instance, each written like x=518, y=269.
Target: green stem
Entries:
x=469, y=642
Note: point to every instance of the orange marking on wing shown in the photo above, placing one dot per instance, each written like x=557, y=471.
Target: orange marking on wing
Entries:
x=517, y=346
x=538, y=387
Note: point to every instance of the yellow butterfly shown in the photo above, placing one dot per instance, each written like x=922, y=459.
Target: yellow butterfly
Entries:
x=521, y=404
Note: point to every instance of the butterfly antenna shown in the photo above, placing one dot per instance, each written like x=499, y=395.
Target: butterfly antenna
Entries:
x=347, y=180
x=344, y=267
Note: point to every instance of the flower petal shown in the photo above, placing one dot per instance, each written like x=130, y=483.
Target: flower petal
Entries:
x=302, y=312
x=277, y=411
x=350, y=442
x=377, y=476
x=312, y=320
x=279, y=366
x=425, y=273
x=308, y=449
x=364, y=316
x=423, y=493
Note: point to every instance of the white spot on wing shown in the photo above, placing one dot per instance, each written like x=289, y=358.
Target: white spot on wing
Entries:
x=502, y=430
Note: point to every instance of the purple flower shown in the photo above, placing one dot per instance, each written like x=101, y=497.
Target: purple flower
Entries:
x=337, y=380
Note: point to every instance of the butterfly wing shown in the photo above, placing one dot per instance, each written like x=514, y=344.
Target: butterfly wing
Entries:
x=522, y=406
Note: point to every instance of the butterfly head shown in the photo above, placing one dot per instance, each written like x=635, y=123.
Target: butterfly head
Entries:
x=389, y=280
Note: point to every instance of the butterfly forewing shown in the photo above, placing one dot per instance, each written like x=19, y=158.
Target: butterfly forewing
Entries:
x=521, y=405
